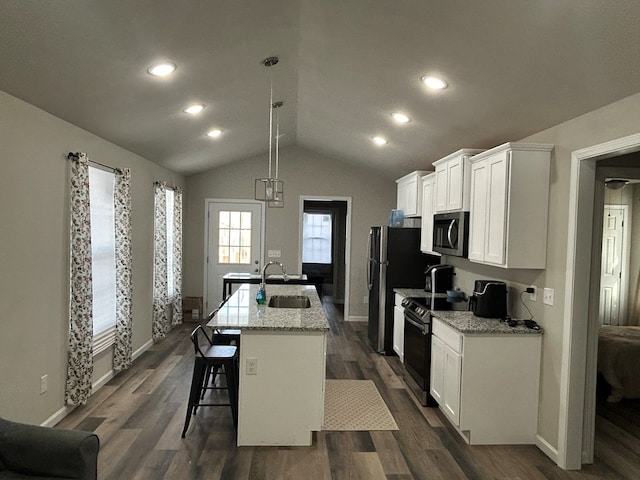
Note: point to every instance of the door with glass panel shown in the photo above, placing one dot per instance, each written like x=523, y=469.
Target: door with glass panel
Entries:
x=233, y=243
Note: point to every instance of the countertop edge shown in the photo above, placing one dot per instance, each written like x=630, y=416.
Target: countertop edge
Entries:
x=467, y=323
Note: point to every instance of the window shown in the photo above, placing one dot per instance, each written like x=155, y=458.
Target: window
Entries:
x=234, y=237
x=170, y=230
x=316, y=238
x=103, y=257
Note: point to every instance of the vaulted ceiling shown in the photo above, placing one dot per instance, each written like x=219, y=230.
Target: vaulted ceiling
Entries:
x=514, y=67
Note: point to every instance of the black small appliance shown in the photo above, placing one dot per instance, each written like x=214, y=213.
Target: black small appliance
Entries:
x=439, y=278
x=489, y=299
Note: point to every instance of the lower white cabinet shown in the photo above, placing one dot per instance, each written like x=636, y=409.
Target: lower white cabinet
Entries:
x=398, y=327
x=487, y=384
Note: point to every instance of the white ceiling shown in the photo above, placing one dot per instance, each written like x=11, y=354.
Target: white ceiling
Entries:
x=515, y=67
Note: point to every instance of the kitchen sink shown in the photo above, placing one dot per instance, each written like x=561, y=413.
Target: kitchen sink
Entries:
x=289, y=301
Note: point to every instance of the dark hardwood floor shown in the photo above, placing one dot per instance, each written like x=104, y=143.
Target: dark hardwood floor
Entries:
x=140, y=413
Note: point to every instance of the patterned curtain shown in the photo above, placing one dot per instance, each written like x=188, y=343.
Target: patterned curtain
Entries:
x=177, y=256
x=160, y=314
x=80, y=351
x=124, y=290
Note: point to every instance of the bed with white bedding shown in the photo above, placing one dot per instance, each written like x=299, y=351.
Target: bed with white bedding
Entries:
x=619, y=360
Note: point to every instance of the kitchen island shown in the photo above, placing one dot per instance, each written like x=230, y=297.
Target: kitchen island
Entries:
x=282, y=365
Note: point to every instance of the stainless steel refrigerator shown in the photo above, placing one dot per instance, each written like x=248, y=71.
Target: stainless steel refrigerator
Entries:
x=394, y=261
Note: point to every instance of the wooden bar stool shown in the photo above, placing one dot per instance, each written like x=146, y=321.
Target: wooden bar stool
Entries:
x=223, y=359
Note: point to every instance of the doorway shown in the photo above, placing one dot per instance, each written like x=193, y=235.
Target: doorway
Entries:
x=578, y=375
x=234, y=239
x=324, y=245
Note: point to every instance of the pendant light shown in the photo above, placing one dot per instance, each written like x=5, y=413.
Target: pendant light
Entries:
x=271, y=189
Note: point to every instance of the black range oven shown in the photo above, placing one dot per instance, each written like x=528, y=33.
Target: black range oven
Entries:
x=417, y=343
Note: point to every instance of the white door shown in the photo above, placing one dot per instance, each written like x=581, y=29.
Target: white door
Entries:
x=611, y=274
x=497, y=176
x=454, y=183
x=233, y=243
x=436, y=387
x=451, y=384
x=478, y=215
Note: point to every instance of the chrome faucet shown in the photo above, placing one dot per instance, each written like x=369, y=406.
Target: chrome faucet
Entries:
x=264, y=269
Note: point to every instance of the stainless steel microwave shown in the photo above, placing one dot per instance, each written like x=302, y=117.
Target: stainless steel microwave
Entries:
x=451, y=233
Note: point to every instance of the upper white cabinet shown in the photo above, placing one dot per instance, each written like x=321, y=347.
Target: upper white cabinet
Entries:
x=509, y=203
x=452, y=181
x=426, y=226
x=410, y=193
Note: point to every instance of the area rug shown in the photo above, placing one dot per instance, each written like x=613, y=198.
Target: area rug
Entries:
x=355, y=405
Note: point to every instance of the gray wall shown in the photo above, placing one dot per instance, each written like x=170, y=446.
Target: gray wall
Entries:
x=611, y=122
x=34, y=253
x=304, y=173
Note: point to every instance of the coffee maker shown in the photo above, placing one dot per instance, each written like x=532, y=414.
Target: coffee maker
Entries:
x=439, y=278
x=489, y=299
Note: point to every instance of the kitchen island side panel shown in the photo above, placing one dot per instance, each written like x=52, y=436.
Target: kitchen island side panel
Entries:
x=283, y=403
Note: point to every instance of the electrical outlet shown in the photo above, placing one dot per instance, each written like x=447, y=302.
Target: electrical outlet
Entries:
x=365, y=300
x=547, y=296
x=43, y=384
x=533, y=296
x=252, y=366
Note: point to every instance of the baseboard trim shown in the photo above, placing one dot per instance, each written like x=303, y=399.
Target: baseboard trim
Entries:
x=355, y=318
x=549, y=450
x=67, y=409
x=53, y=420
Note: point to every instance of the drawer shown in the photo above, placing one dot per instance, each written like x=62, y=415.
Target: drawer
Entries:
x=448, y=335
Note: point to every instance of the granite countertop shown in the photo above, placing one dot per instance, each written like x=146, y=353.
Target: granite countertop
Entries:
x=467, y=323
x=242, y=312
x=418, y=293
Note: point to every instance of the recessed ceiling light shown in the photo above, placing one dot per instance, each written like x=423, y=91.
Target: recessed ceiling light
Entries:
x=380, y=140
x=214, y=133
x=162, y=69
x=434, y=82
x=400, y=117
x=193, y=109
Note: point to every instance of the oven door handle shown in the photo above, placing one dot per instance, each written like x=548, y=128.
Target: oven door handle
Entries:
x=420, y=326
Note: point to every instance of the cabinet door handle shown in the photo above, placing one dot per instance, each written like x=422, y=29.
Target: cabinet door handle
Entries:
x=449, y=231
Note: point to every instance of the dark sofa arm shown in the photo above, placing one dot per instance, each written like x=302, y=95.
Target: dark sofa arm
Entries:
x=48, y=452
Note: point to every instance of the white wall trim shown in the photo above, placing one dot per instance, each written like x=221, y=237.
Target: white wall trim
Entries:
x=54, y=419
x=571, y=431
x=356, y=318
x=347, y=242
x=547, y=448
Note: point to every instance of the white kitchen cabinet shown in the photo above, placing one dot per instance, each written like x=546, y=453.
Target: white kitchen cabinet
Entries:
x=410, y=193
x=426, y=225
x=451, y=192
x=509, y=205
x=398, y=327
x=487, y=384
